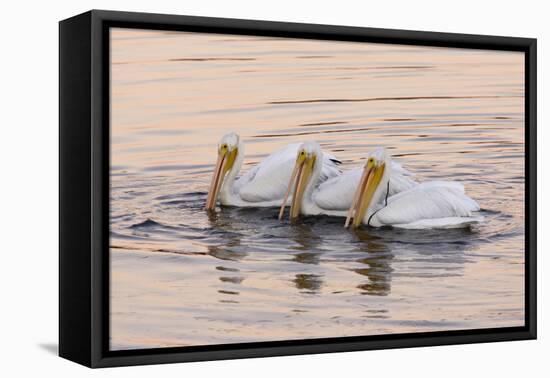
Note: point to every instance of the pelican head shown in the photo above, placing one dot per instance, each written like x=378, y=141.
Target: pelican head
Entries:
x=228, y=149
x=307, y=157
x=371, y=186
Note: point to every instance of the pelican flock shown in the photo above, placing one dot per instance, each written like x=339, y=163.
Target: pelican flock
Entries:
x=381, y=193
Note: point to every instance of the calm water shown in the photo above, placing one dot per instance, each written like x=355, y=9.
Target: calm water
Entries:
x=181, y=277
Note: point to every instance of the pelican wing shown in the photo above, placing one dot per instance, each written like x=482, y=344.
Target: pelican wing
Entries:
x=436, y=204
x=337, y=192
x=269, y=180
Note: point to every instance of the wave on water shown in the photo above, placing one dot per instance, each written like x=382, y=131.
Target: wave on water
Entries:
x=323, y=123
x=182, y=201
x=180, y=195
x=148, y=224
x=322, y=100
x=209, y=59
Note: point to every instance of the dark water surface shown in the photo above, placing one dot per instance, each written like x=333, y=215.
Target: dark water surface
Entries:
x=181, y=277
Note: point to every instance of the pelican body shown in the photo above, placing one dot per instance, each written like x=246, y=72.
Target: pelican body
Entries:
x=262, y=186
x=333, y=196
x=435, y=204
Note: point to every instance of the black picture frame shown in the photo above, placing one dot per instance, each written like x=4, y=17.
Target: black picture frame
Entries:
x=84, y=188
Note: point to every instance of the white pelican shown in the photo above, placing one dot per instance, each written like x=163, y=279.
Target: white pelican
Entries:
x=436, y=204
x=333, y=196
x=262, y=186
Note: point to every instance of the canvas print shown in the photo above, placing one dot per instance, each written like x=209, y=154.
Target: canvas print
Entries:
x=269, y=189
